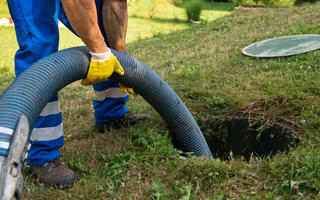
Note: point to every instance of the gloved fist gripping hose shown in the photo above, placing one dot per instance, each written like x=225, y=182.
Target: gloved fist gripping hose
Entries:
x=124, y=89
x=101, y=67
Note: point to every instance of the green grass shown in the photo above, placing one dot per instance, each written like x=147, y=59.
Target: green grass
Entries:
x=3, y=9
x=165, y=18
x=146, y=22
x=204, y=65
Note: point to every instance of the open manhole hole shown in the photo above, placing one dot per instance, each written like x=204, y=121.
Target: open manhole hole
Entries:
x=241, y=136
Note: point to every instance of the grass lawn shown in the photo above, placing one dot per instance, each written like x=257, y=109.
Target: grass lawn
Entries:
x=204, y=65
x=144, y=22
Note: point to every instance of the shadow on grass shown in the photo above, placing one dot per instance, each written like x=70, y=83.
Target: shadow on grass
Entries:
x=213, y=6
x=220, y=6
x=162, y=20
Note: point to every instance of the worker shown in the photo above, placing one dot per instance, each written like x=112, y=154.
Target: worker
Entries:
x=99, y=24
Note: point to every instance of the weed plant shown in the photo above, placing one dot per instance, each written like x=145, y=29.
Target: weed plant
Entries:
x=193, y=9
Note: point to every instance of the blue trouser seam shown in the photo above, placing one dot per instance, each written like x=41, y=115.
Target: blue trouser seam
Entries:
x=33, y=53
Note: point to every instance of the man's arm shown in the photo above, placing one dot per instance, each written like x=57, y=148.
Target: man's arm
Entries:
x=115, y=20
x=82, y=15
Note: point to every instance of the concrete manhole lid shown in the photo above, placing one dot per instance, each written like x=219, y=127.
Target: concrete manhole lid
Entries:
x=283, y=46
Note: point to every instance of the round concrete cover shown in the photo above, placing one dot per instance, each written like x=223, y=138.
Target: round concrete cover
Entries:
x=283, y=46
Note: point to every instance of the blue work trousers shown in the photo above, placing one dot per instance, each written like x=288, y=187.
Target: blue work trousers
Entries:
x=37, y=31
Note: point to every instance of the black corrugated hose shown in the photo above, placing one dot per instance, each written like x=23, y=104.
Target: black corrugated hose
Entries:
x=30, y=92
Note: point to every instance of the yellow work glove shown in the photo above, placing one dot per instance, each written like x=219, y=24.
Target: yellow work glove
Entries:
x=126, y=90
x=101, y=67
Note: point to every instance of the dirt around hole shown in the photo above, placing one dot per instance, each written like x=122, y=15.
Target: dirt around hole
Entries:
x=247, y=137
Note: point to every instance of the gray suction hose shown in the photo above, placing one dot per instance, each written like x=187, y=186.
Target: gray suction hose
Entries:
x=30, y=92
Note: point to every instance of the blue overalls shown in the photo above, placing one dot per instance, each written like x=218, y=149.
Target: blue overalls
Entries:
x=36, y=25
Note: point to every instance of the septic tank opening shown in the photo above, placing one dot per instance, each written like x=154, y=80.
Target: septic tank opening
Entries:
x=247, y=137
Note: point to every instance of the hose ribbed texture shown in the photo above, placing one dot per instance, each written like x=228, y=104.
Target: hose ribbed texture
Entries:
x=30, y=92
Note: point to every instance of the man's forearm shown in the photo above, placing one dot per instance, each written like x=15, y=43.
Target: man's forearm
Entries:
x=82, y=15
x=115, y=20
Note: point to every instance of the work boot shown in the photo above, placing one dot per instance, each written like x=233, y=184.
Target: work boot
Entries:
x=127, y=120
x=55, y=173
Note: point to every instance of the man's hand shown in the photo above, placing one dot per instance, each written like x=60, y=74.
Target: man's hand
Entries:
x=101, y=67
x=126, y=90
